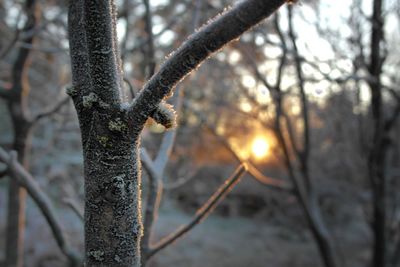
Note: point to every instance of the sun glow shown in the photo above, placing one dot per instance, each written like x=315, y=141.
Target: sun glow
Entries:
x=260, y=147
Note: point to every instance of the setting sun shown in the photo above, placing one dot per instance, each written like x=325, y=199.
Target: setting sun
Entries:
x=260, y=147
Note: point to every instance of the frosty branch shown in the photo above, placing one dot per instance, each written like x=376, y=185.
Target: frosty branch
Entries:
x=25, y=179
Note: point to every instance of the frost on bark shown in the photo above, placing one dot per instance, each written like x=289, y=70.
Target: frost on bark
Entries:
x=111, y=128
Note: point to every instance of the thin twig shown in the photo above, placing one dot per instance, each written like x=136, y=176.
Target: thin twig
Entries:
x=203, y=212
x=51, y=110
x=390, y=122
x=149, y=57
x=153, y=202
x=255, y=173
x=142, y=42
x=180, y=181
x=3, y=173
x=156, y=169
x=303, y=159
x=130, y=87
x=275, y=90
x=12, y=43
x=265, y=180
x=75, y=207
x=154, y=175
x=47, y=50
x=4, y=93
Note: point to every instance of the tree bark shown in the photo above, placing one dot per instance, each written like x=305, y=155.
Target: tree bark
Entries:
x=112, y=191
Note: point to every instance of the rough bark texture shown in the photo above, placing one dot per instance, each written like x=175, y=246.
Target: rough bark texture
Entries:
x=111, y=129
x=112, y=187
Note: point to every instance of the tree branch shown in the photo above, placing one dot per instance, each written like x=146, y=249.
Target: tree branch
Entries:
x=180, y=181
x=14, y=40
x=22, y=62
x=149, y=57
x=4, y=93
x=28, y=182
x=140, y=43
x=130, y=87
x=81, y=83
x=156, y=169
x=390, y=122
x=265, y=180
x=164, y=113
x=168, y=139
x=203, y=212
x=72, y=203
x=3, y=173
x=275, y=90
x=153, y=202
x=102, y=51
x=50, y=111
x=258, y=176
x=209, y=39
x=304, y=155
x=283, y=59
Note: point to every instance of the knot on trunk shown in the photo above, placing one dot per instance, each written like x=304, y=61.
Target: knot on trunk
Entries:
x=115, y=190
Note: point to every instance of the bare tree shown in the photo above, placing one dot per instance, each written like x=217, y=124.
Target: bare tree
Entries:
x=111, y=128
x=380, y=141
x=380, y=121
x=296, y=154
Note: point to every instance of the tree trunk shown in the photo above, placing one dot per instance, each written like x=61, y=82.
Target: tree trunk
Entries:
x=15, y=225
x=321, y=234
x=112, y=190
x=16, y=199
x=18, y=109
x=377, y=153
